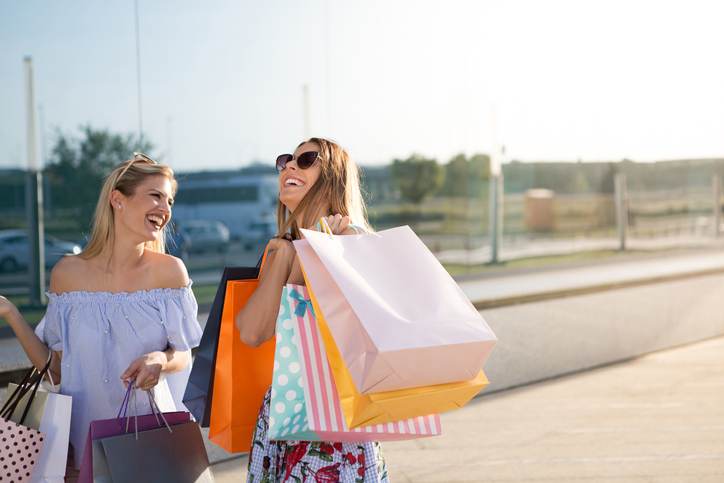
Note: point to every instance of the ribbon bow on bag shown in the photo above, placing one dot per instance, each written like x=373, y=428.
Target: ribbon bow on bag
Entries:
x=302, y=303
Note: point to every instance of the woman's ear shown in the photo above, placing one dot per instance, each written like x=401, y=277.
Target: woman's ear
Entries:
x=117, y=199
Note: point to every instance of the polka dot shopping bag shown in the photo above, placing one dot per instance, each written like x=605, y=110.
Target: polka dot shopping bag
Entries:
x=20, y=446
x=304, y=403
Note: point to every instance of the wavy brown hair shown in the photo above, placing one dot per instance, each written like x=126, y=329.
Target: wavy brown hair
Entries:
x=338, y=187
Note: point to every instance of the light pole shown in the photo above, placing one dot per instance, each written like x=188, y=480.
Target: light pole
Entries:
x=495, y=204
x=495, y=201
x=306, y=112
x=34, y=197
x=138, y=76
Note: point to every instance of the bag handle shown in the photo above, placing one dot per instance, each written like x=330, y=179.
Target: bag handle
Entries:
x=31, y=379
x=17, y=394
x=156, y=410
x=50, y=373
x=325, y=226
x=262, y=261
x=129, y=397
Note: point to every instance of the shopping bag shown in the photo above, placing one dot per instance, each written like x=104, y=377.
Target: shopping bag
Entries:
x=304, y=402
x=200, y=387
x=94, y=466
x=20, y=446
x=20, y=449
x=390, y=406
x=176, y=454
x=242, y=375
x=162, y=452
x=35, y=410
x=398, y=318
x=54, y=422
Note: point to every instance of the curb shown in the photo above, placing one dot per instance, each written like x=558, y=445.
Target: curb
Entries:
x=589, y=289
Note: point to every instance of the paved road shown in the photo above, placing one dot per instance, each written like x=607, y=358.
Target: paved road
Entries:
x=658, y=418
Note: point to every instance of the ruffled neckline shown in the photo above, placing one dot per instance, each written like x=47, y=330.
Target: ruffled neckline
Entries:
x=98, y=296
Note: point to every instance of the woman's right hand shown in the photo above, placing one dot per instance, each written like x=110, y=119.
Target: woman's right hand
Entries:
x=7, y=308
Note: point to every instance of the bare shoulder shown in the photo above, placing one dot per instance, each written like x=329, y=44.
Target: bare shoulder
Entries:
x=67, y=273
x=168, y=271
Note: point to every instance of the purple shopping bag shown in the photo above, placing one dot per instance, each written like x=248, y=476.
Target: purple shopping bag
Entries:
x=122, y=424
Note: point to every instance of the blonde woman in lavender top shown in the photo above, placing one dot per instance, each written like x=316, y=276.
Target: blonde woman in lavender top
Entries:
x=122, y=311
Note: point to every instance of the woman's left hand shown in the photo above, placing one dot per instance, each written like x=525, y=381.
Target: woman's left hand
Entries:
x=339, y=224
x=146, y=370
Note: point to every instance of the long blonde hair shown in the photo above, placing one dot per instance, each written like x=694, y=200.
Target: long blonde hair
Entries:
x=338, y=185
x=125, y=178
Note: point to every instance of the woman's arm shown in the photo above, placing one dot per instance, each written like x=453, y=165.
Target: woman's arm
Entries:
x=34, y=348
x=257, y=320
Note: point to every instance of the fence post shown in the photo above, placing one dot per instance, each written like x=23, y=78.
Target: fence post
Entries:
x=621, y=198
x=495, y=215
x=716, y=205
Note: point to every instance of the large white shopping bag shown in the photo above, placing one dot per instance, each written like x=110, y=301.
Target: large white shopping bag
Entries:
x=304, y=402
x=397, y=316
x=55, y=424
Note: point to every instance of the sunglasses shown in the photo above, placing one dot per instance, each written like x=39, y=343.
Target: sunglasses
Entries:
x=304, y=161
x=137, y=157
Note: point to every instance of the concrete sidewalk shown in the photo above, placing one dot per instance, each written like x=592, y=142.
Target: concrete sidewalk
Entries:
x=658, y=418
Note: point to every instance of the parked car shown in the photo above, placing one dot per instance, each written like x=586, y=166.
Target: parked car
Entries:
x=15, y=250
x=205, y=235
x=257, y=234
x=178, y=243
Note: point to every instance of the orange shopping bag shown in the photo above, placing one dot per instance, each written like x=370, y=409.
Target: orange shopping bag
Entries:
x=241, y=377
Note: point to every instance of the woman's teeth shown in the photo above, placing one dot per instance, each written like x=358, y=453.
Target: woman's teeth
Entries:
x=293, y=182
x=156, y=221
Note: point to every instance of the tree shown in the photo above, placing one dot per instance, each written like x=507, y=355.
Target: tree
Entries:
x=457, y=172
x=417, y=177
x=465, y=177
x=78, y=166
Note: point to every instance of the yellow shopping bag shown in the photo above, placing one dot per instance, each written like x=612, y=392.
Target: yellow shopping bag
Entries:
x=390, y=406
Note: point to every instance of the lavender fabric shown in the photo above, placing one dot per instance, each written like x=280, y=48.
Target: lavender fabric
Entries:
x=101, y=333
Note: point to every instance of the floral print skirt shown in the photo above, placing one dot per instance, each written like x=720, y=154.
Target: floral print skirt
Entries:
x=311, y=461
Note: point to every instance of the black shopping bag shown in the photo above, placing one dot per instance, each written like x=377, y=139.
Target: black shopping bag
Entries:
x=200, y=387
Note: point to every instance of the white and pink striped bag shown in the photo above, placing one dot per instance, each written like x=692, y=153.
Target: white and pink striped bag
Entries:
x=304, y=402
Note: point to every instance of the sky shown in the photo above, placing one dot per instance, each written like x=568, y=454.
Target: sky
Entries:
x=222, y=81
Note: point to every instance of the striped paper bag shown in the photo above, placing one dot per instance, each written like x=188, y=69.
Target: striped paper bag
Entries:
x=304, y=403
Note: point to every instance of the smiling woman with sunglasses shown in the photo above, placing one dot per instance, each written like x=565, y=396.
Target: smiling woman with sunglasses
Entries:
x=317, y=180
x=120, y=312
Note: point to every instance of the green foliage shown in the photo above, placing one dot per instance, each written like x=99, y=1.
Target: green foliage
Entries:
x=560, y=177
x=78, y=166
x=465, y=178
x=417, y=177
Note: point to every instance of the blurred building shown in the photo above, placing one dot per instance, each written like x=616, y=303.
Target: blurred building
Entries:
x=12, y=191
x=244, y=200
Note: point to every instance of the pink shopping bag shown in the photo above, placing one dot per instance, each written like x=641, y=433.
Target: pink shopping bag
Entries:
x=398, y=318
x=304, y=403
x=20, y=445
